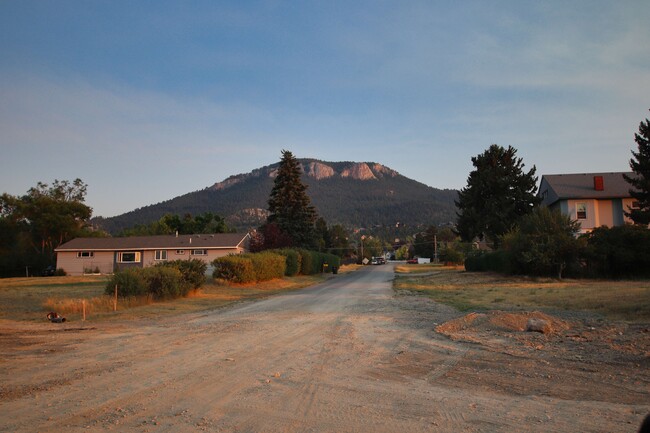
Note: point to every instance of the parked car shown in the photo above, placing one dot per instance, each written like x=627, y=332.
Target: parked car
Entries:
x=49, y=271
x=413, y=261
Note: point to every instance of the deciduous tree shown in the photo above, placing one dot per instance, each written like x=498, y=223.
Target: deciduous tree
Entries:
x=544, y=243
x=46, y=217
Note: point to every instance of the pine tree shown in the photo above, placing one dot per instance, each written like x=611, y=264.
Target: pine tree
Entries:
x=640, y=165
x=289, y=205
x=497, y=194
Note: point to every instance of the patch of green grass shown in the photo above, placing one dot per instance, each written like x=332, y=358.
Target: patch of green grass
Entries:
x=625, y=300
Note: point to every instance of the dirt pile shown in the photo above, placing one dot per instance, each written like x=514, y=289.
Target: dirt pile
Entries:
x=463, y=328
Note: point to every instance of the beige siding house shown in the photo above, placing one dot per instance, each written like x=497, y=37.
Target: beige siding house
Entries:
x=105, y=255
x=592, y=199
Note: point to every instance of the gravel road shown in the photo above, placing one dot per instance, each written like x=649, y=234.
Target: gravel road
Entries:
x=344, y=356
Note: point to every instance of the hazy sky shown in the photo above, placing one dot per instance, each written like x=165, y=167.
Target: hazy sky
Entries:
x=147, y=100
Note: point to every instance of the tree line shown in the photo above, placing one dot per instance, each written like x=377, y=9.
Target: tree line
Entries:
x=499, y=205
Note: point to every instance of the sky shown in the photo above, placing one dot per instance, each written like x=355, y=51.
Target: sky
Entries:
x=148, y=100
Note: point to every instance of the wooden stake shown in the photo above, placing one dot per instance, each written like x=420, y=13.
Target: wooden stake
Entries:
x=83, y=303
x=115, y=300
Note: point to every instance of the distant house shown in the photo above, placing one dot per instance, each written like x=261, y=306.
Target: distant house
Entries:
x=592, y=199
x=105, y=255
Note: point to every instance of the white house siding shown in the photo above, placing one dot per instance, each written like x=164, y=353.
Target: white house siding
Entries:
x=73, y=265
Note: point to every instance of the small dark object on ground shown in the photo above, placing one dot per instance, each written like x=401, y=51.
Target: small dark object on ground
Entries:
x=55, y=317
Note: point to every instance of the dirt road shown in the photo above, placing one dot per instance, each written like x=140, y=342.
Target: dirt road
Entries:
x=344, y=356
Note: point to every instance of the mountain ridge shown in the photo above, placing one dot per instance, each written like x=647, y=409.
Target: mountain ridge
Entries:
x=354, y=194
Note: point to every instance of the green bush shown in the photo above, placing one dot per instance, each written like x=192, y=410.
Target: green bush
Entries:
x=60, y=272
x=316, y=262
x=452, y=255
x=130, y=282
x=158, y=281
x=192, y=271
x=495, y=261
x=268, y=265
x=619, y=252
x=293, y=261
x=163, y=282
x=234, y=268
x=306, y=262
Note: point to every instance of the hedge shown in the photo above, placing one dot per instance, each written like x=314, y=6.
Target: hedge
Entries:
x=293, y=261
x=158, y=281
x=268, y=265
x=313, y=261
x=234, y=268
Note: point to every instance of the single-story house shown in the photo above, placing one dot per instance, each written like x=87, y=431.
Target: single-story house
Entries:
x=105, y=255
x=592, y=199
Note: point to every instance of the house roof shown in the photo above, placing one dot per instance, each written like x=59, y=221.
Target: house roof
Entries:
x=170, y=242
x=554, y=187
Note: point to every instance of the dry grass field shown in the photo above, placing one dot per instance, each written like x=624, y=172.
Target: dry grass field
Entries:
x=30, y=299
x=627, y=300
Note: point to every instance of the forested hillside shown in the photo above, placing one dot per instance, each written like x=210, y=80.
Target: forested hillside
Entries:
x=352, y=194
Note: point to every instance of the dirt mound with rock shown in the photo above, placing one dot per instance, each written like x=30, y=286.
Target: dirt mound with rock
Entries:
x=475, y=323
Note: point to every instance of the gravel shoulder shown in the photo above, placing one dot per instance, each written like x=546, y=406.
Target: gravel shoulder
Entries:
x=347, y=355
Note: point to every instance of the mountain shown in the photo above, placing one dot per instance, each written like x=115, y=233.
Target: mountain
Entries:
x=354, y=194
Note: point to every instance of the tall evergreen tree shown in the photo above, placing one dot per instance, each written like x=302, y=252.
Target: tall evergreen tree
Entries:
x=289, y=205
x=497, y=194
x=640, y=165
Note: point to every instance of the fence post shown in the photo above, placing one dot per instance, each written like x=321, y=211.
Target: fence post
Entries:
x=115, y=300
x=83, y=304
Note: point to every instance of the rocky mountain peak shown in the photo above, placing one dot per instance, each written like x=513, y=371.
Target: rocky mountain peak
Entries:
x=318, y=170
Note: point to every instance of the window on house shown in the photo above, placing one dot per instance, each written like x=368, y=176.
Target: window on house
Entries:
x=82, y=254
x=161, y=255
x=180, y=252
x=129, y=257
x=581, y=211
x=199, y=252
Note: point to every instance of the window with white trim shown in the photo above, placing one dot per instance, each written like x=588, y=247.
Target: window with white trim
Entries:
x=161, y=255
x=581, y=211
x=199, y=252
x=84, y=254
x=128, y=257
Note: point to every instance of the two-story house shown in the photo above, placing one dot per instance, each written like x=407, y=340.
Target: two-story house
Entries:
x=593, y=199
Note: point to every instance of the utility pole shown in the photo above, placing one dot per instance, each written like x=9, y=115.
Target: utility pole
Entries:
x=435, y=248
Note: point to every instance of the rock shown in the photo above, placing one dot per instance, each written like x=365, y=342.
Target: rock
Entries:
x=538, y=325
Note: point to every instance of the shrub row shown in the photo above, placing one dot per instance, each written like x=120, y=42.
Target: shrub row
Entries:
x=267, y=265
x=313, y=262
x=248, y=268
x=163, y=281
x=617, y=252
